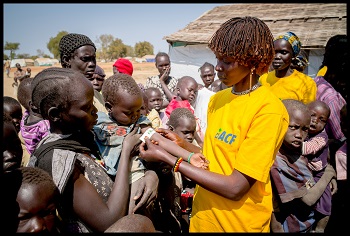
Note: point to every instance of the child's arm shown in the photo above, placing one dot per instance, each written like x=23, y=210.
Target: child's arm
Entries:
x=314, y=145
x=314, y=193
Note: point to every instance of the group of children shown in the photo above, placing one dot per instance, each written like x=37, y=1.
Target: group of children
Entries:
x=95, y=157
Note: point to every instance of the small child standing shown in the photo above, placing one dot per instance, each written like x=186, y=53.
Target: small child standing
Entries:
x=186, y=90
x=183, y=123
x=315, y=148
x=153, y=102
x=33, y=127
x=36, y=195
x=295, y=191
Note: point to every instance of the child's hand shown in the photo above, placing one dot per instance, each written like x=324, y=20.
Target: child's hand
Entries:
x=131, y=142
x=333, y=185
x=199, y=160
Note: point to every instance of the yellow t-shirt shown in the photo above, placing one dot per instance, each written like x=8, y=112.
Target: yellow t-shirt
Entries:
x=322, y=71
x=243, y=133
x=153, y=116
x=99, y=101
x=298, y=86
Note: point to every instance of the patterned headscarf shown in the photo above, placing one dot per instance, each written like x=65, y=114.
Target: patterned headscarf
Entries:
x=294, y=41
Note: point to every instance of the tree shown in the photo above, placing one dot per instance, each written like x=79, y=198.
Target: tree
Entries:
x=143, y=48
x=104, y=41
x=53, y=44
x=23, y=56
x=117, y=49
x=12, y=47
x=6, y=57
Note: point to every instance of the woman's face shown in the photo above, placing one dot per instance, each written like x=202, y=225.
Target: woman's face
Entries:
x=283, y=55
x=228, y=71
x=84, y=60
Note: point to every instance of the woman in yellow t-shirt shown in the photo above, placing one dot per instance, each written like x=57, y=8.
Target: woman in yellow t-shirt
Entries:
x=246, y=126
x=285, y=82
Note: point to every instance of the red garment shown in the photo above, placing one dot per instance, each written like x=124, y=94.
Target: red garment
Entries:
x=124, y=66
x=173, y=104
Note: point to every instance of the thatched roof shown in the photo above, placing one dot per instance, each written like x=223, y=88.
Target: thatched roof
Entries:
x=314, y=23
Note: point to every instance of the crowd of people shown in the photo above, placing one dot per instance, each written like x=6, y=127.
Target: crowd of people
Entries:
x=261, y=149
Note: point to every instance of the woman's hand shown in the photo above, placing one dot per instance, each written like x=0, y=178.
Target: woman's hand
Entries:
x=148, y=190
x=151, y=152
x=165, y=75
x=199, y=160
x=171, y=136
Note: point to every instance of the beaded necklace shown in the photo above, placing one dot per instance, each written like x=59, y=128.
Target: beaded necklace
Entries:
x=255, y=86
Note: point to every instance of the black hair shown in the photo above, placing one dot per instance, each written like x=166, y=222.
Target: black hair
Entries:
x=181, y=112
x=292, y=104
x=10, y=101
x=24, y=92
x=161, y=54
x=51, y=88
x=183, y=79
x=205, y=65
x=116, y=83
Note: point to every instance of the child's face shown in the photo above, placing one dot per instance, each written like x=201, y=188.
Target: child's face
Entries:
x=37, y=209
x=185, y=129
x=81, y=114
x=128, y=110
x=15, y=112
x=188, y=91
x=299, y=124
x=283, y=54
x=11, y=150
x=207, y=75
x=155, y=100
x=319, y=118
x=97, y=81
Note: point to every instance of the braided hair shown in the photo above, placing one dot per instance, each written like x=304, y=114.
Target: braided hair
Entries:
x=116, y=83
x=247, y=40
x=51, y=88
x=69, y=43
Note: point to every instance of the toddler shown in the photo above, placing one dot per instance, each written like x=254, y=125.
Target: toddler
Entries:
x=153, y=101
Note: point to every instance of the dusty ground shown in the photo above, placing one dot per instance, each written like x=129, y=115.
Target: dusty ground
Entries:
x=141, y=72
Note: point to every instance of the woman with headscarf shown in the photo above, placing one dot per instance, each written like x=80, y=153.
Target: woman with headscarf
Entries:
x=285, y=82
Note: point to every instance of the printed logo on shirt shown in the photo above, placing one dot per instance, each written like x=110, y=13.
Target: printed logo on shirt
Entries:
x=225, y=137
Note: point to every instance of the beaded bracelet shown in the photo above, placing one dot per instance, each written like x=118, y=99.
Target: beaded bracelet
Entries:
x=189, y=157
x=177, y=164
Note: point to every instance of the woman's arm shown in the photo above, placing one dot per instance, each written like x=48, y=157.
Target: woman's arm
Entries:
x=233, y=186
x=87, y=203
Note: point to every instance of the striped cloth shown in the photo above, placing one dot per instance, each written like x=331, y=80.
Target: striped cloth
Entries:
x=326, y=93
x=33, y=133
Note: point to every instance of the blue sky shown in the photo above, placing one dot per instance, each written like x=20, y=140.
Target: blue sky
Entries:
x=32, y=25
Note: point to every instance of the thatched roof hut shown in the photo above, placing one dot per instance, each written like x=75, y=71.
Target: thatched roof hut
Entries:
x=314, y=23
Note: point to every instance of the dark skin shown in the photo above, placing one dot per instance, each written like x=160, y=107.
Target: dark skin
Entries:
x=235, y=185
x=283, y=58
x=81, y=114
x=207, y=74
x=37, y=209
x=299, y=124
x=12, y=151
x=163, y=66
x=15, y=112
x=154, y=100
x=187, y=89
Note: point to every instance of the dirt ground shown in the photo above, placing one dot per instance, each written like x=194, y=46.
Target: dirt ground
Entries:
x=140, y=74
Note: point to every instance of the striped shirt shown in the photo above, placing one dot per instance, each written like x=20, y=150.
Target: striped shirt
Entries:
x=327, y=94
